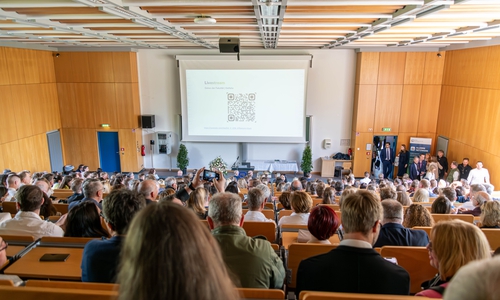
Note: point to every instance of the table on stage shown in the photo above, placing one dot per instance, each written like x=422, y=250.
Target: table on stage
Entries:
x=30, y=266
x=328, y=166
x=275, y=165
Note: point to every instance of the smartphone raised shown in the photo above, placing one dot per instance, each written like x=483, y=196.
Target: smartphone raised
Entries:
x=210, y=175
x=54, y=257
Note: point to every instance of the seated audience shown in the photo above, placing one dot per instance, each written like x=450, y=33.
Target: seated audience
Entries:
x=100, y=257
x=354, y=267
x=322, y=224
x=267, y=192
x=25, y=177
x=65, y=183
x=256, y=203
x=345, y=194
x=329, y=196
x=477, y=200
x=232, y=187
x=284, y=199
x=27, y=221
x=3, y=193
x=477, y=280
x=366, y=179
x=402, y=197
x=301, y=204
x=387, y=193
x=421, y=195
x=262, y=267
x=441, y=205
x=166, y=272
x=453, y=244
x=393, y=233
x=417, y=215
x=92, y=191
x=296, y=186
x=84, y=221
x=197, y=202
x=149, y=190
x=76, y=187
x=339, y=188
x=13, y=184
x=320, y=189
x=490, y=215
x=47, y=209
x=3, y=252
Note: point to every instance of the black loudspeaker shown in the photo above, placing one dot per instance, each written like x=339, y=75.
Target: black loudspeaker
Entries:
x=229, y=45
x=148, y=121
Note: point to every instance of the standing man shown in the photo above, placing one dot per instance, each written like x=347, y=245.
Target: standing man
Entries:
x=415, y=169
x=442, y=164
x=454, y=174
x=479, y=175
x=422, y=166
x=387, y=156
x=464, y=169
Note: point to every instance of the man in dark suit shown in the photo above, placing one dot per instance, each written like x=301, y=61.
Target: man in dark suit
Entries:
x=422, y=165
x=414, y=169
x=354, y=267
x=393, y=233
x=387, y=156
x=442, y=164
x=101, y=257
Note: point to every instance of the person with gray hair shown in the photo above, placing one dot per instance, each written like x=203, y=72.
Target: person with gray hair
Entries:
x=266, y=191
x=256, y=202
x=262, y=267
x=296, y=186
x=477, y=280
x=149, y=189
x=171, y=182
x=393, y=233
x=92, y=191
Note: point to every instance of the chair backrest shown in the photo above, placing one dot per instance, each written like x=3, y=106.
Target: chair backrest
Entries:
x=267, y=229
x=335, y=207
x=62, y=208
x=243, y=191
x=299, y=252
x=29, y=293
x=308, y=295
x=6, y=282
x=62, y=193
x=10, y=207
x=269, y=205
x=18, y=240
x=247, y=293
x=72, y=285
x=493, y=236
x=205, y=223
x=415, y=260
x=284, y=212
x=317, y=201
x=431, y=199
x=267, y=212
x=292, y=227
x=465, y=217
x=426, y=229
x=64, y=242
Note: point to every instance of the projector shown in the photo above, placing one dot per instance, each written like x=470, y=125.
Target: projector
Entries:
x=229, y=45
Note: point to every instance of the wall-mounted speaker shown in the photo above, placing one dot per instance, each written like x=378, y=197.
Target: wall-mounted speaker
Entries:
x=229, y=45
x=148, y=121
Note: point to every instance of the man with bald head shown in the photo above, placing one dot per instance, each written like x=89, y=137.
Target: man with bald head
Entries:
x=296, y=186
x=93, y=190
x=149, y=189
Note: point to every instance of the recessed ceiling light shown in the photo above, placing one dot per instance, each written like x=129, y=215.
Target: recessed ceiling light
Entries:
x=205, y=20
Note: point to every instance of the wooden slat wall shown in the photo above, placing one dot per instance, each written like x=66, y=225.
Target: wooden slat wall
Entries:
x=397, y=90
x=97, y=88
x=28, y=96
x=470, y=107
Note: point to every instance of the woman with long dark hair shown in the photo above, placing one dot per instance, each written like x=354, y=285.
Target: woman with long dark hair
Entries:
x=84, y=221
x=404, y=161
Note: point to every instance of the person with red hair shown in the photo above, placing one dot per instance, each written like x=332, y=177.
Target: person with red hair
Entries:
x=322, y=224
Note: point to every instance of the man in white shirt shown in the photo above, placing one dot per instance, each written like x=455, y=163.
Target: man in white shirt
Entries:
x=13, y=182
x=479, y=175
x=366, y=179
x=256, y=203
x=27, y=221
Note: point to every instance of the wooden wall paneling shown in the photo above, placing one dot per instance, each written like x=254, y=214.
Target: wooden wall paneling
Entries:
x=362, y=157
x=23, y=111
x=355, y=107
x=11, y=158
x=410, y=108
x=366, y=108
x=414, y=67
x=101, y=67
x=391, y=68
x=4, y=75
x=492, y=78
x=491, y=130
x=42, y=153
x=125, y=105
x=28, y=153
x=45, y=62
x=54, y=119
x=89, y=148
x=72, y=67
x=85, y=105
x=30, y=63
x=104, y=102
x=68, y=106
x=9, y=121
x=479, y=67
x=136, y=101
x=80, y=146
x=134, y=69
x=122, y=67
x=388, y=107
x=404, y=138
x=446, y=109
x=434, y=67
x=429, y=108
x=3, y=166
x=71, y=146
x=15, y=65
x=128, y=158
x=39, y=109
x=448, y=68
x=368, y=68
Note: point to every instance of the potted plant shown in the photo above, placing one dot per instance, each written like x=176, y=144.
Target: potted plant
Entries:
x=306, y=164
x=182, y=158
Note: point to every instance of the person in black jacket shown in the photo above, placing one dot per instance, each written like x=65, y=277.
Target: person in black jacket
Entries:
x=404, y=160
x=442, y=164
x=354, y=267
x=464, y=169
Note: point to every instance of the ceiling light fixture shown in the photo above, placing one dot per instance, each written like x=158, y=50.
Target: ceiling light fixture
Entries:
x=205, y=20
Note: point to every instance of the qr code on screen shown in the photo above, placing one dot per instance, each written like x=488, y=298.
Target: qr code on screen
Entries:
x=241, y=107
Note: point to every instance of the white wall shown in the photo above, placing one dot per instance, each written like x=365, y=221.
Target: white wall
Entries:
x=330, y=97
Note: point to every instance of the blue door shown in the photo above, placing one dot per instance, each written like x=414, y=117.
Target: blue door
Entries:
x=109, y=152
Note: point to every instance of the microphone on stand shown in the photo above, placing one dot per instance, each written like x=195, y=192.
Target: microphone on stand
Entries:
x=235, y=165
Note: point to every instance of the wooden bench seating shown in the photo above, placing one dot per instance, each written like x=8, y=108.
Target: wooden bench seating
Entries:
x=424, y=228
x=64, y=242
x=267, y=229
x=493, y=236
x=440, y=217
x=10, y=207
x=267, y=212
x=62, y=208
x=299, y=252
x=308, y=295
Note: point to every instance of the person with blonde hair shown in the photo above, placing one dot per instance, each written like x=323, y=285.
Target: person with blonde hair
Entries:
x=417, y=215
x=490, y=215
x=329, y=196
x=421, y=195
x=345, y=194
x=166, y=272
x=402, y=197
x=242, y=183
x=301, y=203
x=197, y=201
x=453, y=244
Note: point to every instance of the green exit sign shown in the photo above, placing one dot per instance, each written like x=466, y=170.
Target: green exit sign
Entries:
x=386, y=129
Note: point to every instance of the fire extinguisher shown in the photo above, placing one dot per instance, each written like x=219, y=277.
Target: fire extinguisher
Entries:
x=143, y=150
x=349, y=151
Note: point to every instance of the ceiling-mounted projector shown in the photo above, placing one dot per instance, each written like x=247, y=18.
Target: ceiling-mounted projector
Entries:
x=205, y=20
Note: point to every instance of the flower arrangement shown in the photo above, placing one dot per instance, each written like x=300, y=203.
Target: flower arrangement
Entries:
x=218, y=164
